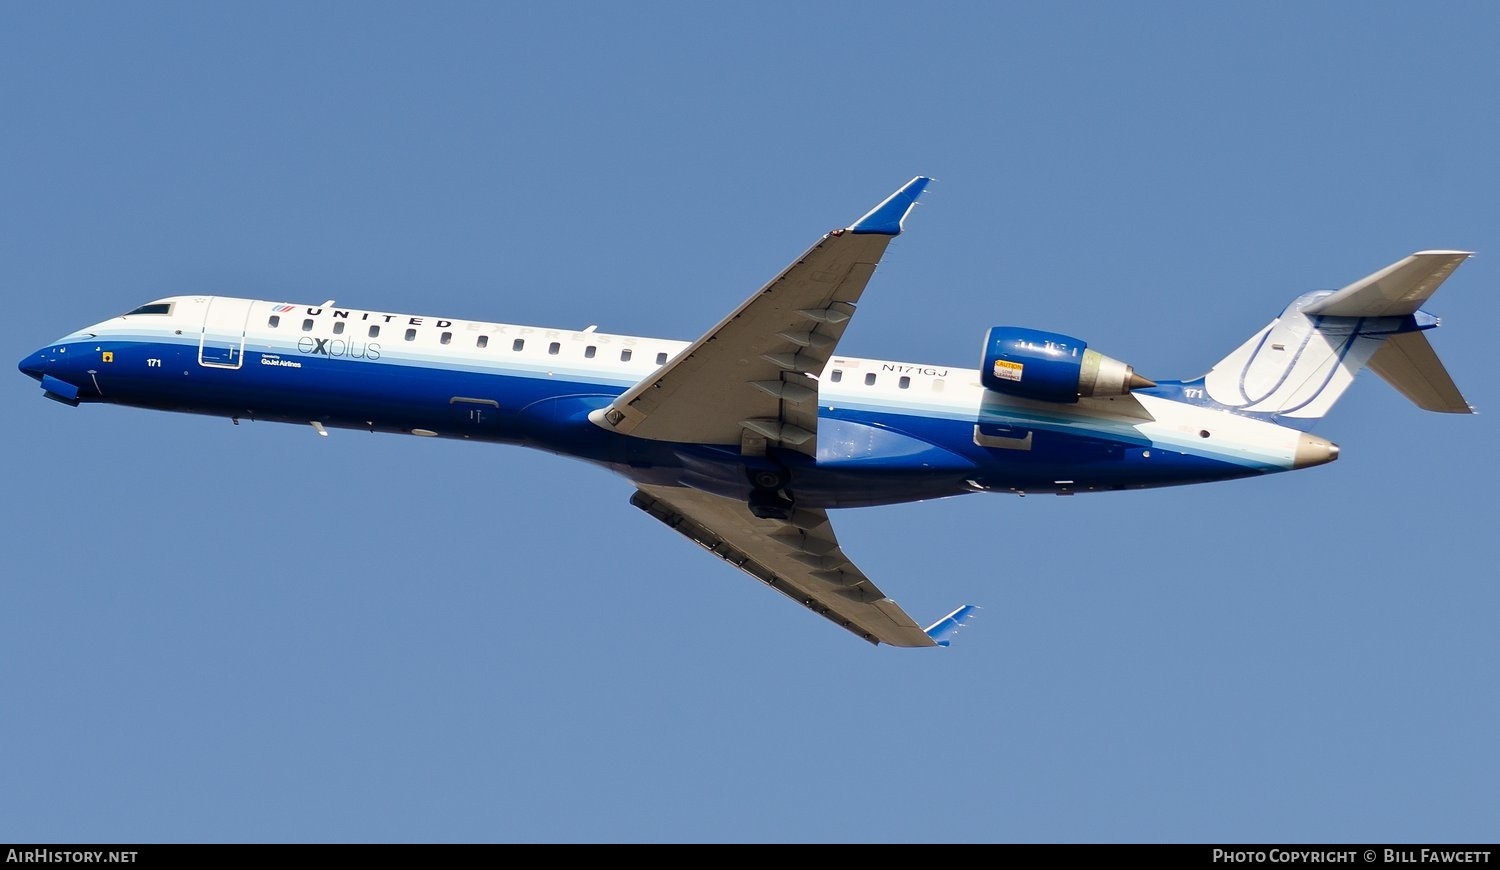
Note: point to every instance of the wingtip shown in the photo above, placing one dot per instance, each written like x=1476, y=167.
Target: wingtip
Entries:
x=889, y=217
x=944, y=629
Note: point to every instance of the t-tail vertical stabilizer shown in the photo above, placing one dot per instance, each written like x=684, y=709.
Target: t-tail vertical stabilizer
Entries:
x=1298, y=366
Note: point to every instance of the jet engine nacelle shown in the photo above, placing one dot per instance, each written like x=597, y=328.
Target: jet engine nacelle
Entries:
x=1052, y=367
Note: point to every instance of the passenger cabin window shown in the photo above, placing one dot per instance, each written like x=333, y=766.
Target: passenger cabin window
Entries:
x=447, y=337
x=518, y=344
x=553, y=348
x=411, y=334
x=838, y=375
x=307, y=325
x=661, y=359
x=374, y=332
x=625, y=355
x=152, y=308
x=338, y=327
x=588, y=352
x=482, y=341
x=904, y=382
x=274, y=321
x=870, y=379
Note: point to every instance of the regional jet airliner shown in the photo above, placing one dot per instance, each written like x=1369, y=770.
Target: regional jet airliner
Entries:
x=748, y=440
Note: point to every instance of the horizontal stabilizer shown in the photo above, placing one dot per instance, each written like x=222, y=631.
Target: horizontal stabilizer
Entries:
x=1408, y=363
x=944, y=629
x=1395, y=291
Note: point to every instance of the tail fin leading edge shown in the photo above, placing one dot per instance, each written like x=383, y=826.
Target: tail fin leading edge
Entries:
x=1302, y=362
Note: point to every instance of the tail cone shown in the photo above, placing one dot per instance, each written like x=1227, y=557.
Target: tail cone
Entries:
x=1312, y=451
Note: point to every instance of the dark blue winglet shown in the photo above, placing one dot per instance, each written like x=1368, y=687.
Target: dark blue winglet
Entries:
x=885, y=219
x=944, y=629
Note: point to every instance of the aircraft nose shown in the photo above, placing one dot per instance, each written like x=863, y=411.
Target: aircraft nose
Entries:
x=49, y=365
x=35, y=366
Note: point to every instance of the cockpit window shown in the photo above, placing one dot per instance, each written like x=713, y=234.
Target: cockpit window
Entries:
x=153, y=308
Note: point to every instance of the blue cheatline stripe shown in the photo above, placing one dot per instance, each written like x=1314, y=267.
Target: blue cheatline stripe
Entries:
x=550, y=408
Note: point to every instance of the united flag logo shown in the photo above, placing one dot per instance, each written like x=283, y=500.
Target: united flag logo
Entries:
x=281, y=308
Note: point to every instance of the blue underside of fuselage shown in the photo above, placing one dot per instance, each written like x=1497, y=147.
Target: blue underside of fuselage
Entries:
x=864, y=457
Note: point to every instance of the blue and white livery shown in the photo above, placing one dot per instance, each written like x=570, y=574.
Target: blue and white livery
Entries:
x=747, y=439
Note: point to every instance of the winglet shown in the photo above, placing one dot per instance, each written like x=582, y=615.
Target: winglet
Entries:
x=886, y=219
x=943, y=630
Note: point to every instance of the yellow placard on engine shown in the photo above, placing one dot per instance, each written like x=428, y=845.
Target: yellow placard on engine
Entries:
x=1006, y=370
x=109, y=356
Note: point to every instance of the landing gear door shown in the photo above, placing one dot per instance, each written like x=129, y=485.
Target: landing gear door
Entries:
x=222, y=344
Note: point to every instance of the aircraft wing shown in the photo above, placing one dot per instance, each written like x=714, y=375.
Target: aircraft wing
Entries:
x=798, y=557
x=749, y=381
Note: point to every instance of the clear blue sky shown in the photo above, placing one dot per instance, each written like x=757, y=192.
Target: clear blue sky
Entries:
x=241, y=634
